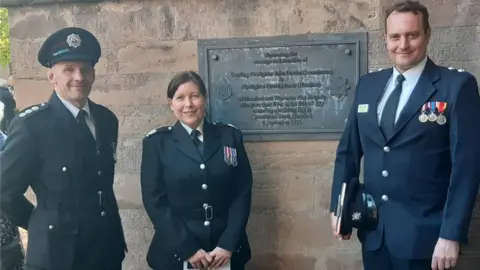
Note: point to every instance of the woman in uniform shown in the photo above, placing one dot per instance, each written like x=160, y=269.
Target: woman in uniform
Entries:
x=196, y=185
x=11, y=251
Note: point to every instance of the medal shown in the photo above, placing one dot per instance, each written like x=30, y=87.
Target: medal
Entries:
x=234, y=157
x=432, y=117
x=230, y=156
x=227, y=155
x=441, y=119
x=423, y=117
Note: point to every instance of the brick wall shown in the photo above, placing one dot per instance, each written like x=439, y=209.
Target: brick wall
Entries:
x=145, y=42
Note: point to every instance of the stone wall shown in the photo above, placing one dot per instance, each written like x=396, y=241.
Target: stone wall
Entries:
x=145, y=42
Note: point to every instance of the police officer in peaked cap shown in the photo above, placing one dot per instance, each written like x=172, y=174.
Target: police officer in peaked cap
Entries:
x=64, y=150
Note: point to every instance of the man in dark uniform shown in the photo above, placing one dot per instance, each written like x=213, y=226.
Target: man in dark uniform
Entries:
x=414, y=125
x=65, y=151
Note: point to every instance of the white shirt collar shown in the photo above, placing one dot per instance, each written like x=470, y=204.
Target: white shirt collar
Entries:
x=74, y=110
x=189, y=129
x=412, y=74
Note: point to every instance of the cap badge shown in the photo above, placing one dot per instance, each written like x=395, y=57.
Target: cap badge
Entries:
x=74, y=40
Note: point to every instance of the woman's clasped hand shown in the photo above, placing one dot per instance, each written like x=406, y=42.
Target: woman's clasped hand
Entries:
x=217, y=258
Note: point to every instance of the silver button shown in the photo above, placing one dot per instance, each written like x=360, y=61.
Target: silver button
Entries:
x=64, y=169
x=204, y=186
x=202, y=166
x=385, y=197
x=206, y=223
x=103, y=213
x=384, y=173
x=50, y=227
x=386, y=149
x=99, y=173
x=205, y=205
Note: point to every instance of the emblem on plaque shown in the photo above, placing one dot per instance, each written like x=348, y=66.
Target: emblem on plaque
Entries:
x=224, y=89
x=338, y=87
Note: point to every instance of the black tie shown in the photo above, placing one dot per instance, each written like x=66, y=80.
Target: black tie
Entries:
x=196, y=141
x=85, y=131
x=387, y=121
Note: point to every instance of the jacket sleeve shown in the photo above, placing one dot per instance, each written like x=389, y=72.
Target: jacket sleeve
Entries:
x=349, y=153
x=17, y=164
x=465, y=155
x=167, y=225
x=239, y=211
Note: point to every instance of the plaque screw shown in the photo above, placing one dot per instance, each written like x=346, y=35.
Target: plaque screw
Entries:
x=348, y=52
x=215, y=57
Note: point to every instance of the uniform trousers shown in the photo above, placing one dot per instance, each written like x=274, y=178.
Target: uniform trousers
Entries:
x=382, y=259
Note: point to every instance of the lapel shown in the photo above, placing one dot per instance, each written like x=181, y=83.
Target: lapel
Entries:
x=101, y=130
x=211, y=139
x=377, y=89
x=64, y=119
x=422, y=92
x=183, y=142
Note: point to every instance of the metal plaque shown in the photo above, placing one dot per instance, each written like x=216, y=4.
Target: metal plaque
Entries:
x=283, y=88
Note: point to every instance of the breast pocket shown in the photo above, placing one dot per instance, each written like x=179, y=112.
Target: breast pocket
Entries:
x=429, y=134
x=367, y=117
x=56, y=175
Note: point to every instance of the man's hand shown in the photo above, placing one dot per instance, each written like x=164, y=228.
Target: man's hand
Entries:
x=201, y=259
x=334, y=228
x=220, y=257
x=445, y=254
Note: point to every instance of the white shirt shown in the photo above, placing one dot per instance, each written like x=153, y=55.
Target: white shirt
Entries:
x=199, y=128
x=74, y=110
x=411, y=78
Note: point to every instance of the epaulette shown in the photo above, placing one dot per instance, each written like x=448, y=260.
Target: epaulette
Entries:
x=218, y=123
x=380, y=69
x=159, y=130
x=32, y=110
x=459, y=70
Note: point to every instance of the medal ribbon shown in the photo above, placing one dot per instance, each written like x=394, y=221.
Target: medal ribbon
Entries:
x=424, y=107
x=433, y=106
x=441, y=106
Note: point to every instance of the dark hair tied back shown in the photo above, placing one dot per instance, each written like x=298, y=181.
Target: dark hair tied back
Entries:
x=184, y=77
